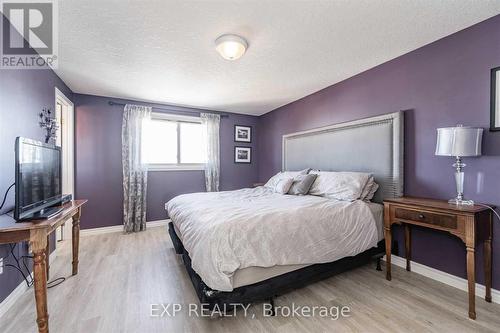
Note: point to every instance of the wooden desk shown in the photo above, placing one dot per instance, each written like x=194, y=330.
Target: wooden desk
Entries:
x=37, y=233
x=471, y=224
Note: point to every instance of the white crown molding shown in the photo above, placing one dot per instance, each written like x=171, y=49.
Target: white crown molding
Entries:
x=119, y=228
x=443, y=277
x=20, y=290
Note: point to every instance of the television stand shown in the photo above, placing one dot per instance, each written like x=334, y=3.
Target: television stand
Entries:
x=37, y=232
x=45, y=213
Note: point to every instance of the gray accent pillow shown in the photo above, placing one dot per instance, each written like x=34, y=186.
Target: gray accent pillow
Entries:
x=305, y=171
x=302, y=184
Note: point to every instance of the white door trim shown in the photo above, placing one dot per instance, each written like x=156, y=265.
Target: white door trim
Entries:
x=68, y=144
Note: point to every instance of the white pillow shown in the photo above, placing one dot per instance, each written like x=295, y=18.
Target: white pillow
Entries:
x=273, y=180
x=347, y=186
x=283, y=185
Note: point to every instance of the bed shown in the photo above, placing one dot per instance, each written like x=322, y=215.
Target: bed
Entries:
x=253, y=244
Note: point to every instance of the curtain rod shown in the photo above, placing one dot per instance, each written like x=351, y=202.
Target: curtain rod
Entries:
x=222, y=115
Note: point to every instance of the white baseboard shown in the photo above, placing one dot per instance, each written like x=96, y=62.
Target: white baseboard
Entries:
x=445, y=278
x=157, y=223
x=20, y=290
x=119, y=228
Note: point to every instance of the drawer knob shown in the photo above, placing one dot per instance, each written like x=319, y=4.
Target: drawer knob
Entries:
x=421, y=216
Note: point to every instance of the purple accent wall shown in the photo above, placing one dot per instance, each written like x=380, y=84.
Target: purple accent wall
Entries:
x=443, y=83
x=99, y=167
x=23, y=94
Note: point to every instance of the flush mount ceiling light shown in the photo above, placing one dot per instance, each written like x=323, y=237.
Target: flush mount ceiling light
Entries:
x=231, y=47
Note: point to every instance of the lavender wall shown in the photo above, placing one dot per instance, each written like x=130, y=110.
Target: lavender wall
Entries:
x=443, y=83
x=99, y=167
x=23, y=94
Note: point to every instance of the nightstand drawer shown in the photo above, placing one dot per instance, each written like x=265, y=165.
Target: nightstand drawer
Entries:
x=443, y=220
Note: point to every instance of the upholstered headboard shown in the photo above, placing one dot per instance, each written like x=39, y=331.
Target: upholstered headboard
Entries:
x=374, y=145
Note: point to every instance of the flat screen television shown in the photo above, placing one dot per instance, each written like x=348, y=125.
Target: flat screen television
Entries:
x=38, y=179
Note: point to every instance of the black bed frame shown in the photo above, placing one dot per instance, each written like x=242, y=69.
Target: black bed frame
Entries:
x=268, y=289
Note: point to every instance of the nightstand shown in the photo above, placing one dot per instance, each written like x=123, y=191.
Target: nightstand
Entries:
x=472, y=224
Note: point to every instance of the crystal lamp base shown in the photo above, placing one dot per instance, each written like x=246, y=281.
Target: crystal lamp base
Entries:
x=459, y=181
x=461, y=202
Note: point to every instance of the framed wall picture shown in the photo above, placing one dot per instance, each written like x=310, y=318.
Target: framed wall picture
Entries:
x=242, y=155
x=242, y=133
x=495, y=100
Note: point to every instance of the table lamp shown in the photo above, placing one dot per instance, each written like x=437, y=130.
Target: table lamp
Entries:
x=460, y=141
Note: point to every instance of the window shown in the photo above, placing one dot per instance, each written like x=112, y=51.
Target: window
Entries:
x=173, y=142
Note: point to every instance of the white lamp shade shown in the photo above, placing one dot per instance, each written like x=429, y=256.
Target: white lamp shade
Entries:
x=459, y=141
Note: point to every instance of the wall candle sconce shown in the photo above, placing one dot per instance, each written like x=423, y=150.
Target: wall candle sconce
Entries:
x=49, y=123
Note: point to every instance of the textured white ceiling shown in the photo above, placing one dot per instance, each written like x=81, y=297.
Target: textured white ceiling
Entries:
x=163, y=51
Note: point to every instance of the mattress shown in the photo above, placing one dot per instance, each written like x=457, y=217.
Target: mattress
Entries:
x=250, y=275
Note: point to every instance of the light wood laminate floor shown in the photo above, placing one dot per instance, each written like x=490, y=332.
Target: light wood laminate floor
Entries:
x=121, y=275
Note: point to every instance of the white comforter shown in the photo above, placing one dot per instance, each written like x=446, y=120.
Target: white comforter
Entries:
x=227, y=231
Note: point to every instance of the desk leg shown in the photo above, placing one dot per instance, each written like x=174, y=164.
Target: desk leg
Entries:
x=471, y=277
x=76, y=240
x=47, y=256
x=408, y=247
x=388, y=249
x=487, y=259
x=38, y=240
x=487, y=269
x=388, y=241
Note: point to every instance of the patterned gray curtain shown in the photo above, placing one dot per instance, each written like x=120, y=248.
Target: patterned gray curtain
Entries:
x=135, y=174
x=211, y=124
